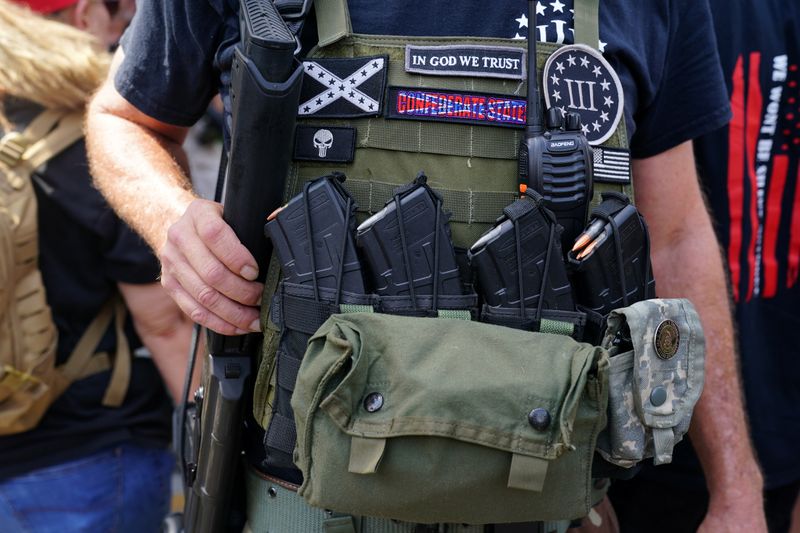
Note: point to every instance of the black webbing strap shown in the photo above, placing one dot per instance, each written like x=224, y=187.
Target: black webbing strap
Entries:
x=614, y=202
x=281, y=434
x=517, y=210
x=304, y=315
x=611, y=204
x=287, y=370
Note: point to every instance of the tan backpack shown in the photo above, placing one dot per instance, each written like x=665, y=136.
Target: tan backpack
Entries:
x=30, y=380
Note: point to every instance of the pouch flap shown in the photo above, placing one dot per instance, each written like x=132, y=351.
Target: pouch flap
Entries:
x=497, y=387
x=668, y=369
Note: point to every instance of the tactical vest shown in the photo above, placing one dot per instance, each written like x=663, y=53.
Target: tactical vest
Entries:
x=472, y=166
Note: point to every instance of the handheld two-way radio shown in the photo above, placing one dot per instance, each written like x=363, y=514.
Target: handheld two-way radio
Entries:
x=555, y=161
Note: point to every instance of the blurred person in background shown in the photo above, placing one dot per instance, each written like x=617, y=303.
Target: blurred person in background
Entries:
x=86, y=466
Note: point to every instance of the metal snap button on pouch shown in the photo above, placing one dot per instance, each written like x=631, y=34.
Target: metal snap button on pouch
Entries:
x=373, y=402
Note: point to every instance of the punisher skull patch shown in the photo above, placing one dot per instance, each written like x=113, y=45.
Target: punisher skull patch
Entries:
x=577, y=78
x=343, y=87
x=324, y=143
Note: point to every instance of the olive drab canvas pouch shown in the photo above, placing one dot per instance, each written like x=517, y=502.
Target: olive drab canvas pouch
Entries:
x=441, y=420
x=654, y=381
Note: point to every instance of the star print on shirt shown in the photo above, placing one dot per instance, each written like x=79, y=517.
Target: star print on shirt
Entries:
x=554, y=23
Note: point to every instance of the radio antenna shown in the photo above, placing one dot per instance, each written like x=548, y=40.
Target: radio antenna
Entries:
x=533, y=119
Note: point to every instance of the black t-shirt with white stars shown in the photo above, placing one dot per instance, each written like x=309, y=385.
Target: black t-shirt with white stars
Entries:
x=178, y=54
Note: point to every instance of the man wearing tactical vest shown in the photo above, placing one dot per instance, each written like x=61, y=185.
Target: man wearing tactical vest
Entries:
x=391, y=89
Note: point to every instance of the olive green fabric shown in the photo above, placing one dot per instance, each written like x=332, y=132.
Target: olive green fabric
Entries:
x=275, y=507
x=426, y=420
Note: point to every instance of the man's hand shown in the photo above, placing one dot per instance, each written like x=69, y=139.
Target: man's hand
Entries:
x=209, y=273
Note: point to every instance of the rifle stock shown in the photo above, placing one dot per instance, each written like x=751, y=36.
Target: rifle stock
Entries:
x=265, y=92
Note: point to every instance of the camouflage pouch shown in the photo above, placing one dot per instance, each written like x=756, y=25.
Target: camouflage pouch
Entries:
x=654, y=386
x=439, y=420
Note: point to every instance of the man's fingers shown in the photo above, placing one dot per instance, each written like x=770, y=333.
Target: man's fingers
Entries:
x=187, y=257
x=198, y=313
x=221, y=240
x=206, y=298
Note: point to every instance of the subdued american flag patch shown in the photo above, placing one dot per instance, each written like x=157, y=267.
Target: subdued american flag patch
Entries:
x=612, y=165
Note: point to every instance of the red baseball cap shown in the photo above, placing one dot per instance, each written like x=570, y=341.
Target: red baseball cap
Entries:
x=46, y=6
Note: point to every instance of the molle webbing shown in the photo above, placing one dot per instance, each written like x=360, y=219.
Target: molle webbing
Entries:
x=472, y=167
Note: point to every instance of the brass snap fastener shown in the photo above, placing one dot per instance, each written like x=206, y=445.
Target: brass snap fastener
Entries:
x=373, y=402
x=667, y=339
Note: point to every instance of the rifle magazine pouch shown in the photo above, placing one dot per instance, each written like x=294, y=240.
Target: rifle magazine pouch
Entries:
x=654, y=387
x=299, y=314
x=440, y=420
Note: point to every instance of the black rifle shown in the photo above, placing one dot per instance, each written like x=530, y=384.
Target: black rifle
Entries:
x=265, y=93
x=555, y=162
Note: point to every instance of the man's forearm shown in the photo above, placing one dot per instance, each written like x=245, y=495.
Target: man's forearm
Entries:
x=719, y=430
x=687, y=263
x=137, y=167
x=165, y=331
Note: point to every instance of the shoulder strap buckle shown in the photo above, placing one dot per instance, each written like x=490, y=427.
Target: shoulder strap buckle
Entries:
x=12, y=148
